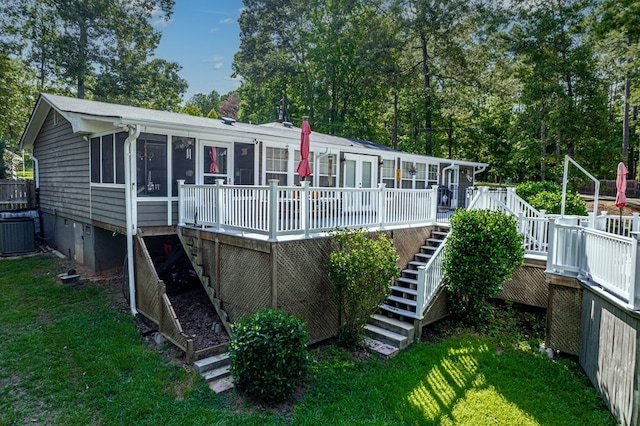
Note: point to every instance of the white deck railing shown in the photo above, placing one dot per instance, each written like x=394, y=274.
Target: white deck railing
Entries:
x=275, y=211
x=598, y=258
x=429, y=280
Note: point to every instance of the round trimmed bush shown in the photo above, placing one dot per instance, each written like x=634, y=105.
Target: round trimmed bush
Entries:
x=269, y=356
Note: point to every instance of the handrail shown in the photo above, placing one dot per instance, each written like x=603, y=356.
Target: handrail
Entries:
x=430, y=278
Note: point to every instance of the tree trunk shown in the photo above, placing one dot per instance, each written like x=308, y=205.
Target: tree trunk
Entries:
x=428, y=149
x=394, y=134
x=625, y=121
x=82, y=60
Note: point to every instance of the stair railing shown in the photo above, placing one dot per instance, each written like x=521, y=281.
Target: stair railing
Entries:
x=430, y=278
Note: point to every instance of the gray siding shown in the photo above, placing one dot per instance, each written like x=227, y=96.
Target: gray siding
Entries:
x=152, y=213
x=64, y=170
x=108, y=206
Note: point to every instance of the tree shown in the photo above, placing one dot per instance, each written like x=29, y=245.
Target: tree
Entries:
x=361, y=270
x=563, y=98
x=100, y=47
x=17, y=96
x=191, y=109
x=230, y=105
x=206, y=102
x=617, y=26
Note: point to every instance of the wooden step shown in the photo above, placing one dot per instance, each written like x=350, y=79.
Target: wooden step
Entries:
x=387, y=336
x=410, y=273
x=405, y=290
x=440, y=233
x=422, y=257
x=408, y=302
x=416, y=264
x=400, y=312
x=211, y=363
x=434, y=241
x=429, y=248
x=393, y=324
x=408, y=282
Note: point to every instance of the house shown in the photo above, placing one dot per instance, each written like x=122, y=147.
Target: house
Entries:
x=106, y=169
x=111, y=176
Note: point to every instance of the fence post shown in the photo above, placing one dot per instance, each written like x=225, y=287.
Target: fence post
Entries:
x=635, y=223
x=434, y=203
x=421, y=287
x=181, y=202
x=273, y=209
x=218, y=211
x=635, y=270
x=305, y=211
x=551, y=245
x=382, y=211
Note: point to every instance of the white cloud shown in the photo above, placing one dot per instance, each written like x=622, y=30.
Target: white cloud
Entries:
x=214, y=30
x=228, y=21
x=217, y=62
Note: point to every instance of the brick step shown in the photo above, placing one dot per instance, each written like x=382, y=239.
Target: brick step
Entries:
x=216, y=374
x=386, y=336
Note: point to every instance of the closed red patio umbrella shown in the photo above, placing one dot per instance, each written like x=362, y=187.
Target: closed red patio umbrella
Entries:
x=621, y=186
x=304, y=169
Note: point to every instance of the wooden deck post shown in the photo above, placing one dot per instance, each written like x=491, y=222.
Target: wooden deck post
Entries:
x=218, y=211
x=304, y=208
x=382, y=211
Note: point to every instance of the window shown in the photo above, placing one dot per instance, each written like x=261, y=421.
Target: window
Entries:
x=432, y=176
x=327, y=171
x=389, y=173
x=151, y=162
x=183, y=160
x=107, y=158
x=214, y=163
x=407, y=175
x=296, y=161
x=421, y=175
x=276, y=164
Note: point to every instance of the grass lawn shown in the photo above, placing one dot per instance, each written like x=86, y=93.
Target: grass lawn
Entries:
x=70, y=356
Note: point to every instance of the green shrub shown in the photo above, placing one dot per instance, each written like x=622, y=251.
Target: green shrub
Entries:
x=548, y=196
x=552, y=203
x=269, y=356
x=526, y=190
x=361, y=270
x=481, y=252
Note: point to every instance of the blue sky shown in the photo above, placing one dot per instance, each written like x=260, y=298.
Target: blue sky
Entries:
x=203, y=36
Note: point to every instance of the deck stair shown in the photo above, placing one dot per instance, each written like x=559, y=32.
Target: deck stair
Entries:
x=215, y=371
x=393, y=324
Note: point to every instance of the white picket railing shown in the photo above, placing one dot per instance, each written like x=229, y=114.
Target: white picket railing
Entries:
x=429, y=279
x=598, y=258
x=276, y=211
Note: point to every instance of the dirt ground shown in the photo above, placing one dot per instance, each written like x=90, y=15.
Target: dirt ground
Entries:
x=633, y=206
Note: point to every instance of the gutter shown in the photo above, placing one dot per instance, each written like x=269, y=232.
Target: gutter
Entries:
x=36, y=170
x=131, y=210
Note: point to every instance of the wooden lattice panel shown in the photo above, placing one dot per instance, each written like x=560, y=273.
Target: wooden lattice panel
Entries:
x=527, y=286
x=245, y=281
x=564, y=318
x=147, y=295
x=408, y=242
x=303, y=287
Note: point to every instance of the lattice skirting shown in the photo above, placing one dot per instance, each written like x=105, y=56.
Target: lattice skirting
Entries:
x=564, y=317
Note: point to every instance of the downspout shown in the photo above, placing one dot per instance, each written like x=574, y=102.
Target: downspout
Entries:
x=134, y=132
x=36, y=170
x=475, y=172
x=449, y=167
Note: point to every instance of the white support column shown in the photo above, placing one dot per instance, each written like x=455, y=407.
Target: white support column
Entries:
x=304, y=208
x=382, y=210
x=634, y=289
x=181, y=202
x=273, y=209
x=219, y=207
x=434, y=203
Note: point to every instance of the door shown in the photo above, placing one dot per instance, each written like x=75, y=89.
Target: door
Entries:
x=359, y=172
x=215, y=162
x=451, y=177
x=243, y=163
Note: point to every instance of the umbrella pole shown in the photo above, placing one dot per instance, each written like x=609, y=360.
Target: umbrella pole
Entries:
x=620, y=221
